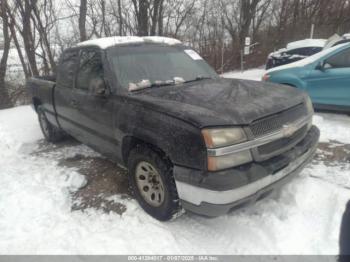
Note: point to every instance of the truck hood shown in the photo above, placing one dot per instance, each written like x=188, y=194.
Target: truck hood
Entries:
x=220, y=102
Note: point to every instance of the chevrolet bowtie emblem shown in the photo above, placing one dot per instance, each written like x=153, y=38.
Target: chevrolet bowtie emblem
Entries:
x=289, y=130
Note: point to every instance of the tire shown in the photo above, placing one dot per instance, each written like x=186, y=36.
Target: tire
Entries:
x=149, y=173
x=51, y=133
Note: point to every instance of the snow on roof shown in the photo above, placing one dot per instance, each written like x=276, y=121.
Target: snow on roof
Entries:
x=307, y=43
x=309, y=60
x=161, y=40
x=106, y=42
x=300, y=44
x=347, y=36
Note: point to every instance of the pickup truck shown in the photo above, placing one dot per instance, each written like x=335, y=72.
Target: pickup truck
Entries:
x=189, y=139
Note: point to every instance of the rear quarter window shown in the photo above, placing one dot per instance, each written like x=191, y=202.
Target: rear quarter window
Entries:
x=67, y=68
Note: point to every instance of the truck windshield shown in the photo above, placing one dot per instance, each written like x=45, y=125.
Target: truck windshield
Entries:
x=138, y=67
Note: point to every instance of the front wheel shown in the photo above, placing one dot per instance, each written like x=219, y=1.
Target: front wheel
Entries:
x=153, y=184
x=51, y=133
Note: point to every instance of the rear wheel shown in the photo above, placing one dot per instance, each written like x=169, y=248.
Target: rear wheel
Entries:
x=50, y=132
x=152, y=183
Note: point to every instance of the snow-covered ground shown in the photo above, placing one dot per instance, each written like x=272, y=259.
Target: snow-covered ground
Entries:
x=36, y=200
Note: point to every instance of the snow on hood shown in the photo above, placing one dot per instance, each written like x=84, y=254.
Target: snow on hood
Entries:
x=308, y=60
x=106, y=42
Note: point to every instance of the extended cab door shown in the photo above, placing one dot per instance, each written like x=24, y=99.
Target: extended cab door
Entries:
x=330, y=84
x=93, y=113
x=63, y=100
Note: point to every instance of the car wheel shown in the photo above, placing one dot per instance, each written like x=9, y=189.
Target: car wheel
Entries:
x=153, y=184
x=50, y=132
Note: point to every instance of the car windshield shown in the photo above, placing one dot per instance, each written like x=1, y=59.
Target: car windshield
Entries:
x=144, y=66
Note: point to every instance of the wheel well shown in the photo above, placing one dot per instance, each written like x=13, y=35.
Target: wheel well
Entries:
x=36, y=103
x=131, y=142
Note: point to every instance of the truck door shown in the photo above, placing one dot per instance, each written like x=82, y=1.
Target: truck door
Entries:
x=330, y=85
x=93, y=113
x=63, y=90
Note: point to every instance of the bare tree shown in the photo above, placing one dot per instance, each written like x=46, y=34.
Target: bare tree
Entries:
x=5, y=101
x=12, y=27
x=24, y=26
x=43, y=27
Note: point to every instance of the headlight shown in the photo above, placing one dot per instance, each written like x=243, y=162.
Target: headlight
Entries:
x=221, y=137
x=309, y=106
x=266, y=78
x=216, y=163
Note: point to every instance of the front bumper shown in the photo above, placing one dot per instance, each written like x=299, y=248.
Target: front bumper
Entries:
x=216, y=193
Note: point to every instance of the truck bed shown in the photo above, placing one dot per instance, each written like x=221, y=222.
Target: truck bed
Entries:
x=42, y=91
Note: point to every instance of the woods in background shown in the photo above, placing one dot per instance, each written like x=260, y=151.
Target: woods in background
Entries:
x=40, y=29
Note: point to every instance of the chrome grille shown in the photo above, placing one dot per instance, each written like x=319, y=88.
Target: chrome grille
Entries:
x=282, y=144
x=275, y=122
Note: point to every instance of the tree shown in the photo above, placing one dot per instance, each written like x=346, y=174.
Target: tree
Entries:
x=25, y=10
x=5, y=101
x=141, y=11
x=82, y=20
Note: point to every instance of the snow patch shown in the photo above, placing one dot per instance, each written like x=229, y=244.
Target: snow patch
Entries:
x=251, y=74
x=162, y=40
x=333, y=127
x=106, y=42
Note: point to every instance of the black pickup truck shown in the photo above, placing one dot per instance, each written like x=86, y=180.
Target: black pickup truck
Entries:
x=190, y=139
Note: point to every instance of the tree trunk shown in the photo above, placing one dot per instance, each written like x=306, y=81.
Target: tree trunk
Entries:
x=160, y=18
x=45, y=41
x=27, y=34
x=18, y=47
x=5, y=101
x=82, y=20
x=156, y=7
x=120, y=18
x=141, y=11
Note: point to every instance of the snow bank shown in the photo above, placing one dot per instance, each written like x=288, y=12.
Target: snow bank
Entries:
x=333, y=127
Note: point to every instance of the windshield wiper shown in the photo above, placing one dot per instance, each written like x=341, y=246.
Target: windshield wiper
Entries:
x=199, y=78
x=163, y=83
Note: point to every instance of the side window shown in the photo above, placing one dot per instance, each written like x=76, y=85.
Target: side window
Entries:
x=339, y=60
x=66, y=69
x=90, y=69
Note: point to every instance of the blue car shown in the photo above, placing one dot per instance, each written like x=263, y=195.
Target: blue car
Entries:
x=325, y=76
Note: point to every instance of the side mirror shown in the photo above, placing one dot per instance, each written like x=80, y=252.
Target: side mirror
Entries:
x=98, y=87
x=320, y=66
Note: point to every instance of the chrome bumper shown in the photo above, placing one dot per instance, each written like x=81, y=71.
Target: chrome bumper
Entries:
x=197, y=195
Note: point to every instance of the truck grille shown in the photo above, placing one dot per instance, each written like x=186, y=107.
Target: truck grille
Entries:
x=272, y=124
x=275, y=122
x=283, y=143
